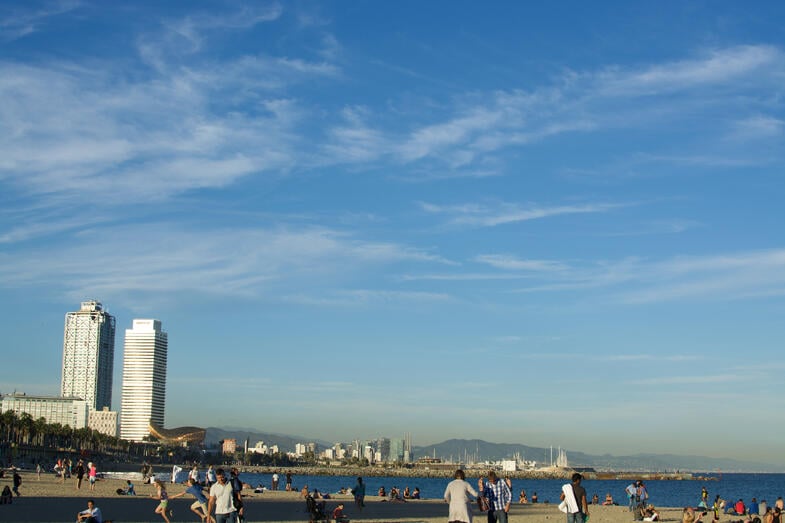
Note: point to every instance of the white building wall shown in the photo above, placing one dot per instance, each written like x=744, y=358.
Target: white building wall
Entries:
x=144, y=379
x=54, y=409
x=104, y=421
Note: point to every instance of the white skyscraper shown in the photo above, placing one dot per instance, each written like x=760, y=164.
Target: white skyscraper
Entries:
x=144, y=379
x=88, y=355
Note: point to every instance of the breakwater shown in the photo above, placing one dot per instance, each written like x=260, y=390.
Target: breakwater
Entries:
x=444, y=471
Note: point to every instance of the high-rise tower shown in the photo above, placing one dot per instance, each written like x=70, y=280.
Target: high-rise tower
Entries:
x=144, y=379
x=88, y=355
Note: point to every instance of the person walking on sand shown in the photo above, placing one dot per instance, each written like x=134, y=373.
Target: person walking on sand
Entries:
x=221, y=500
x=288, y=482
x=17, y=482
x=499, y=498
x=194, y=474
x=92, y=474
x=574, y=497
x=79, y=473
x=237, y=487
x=643, y=495
x=61, y=470
x=359, y=493
x=38, y=469
x=632, y=492
x=275, y=480
x=458, y=494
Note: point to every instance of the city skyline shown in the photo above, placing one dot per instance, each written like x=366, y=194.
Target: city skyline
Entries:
x=361, y=217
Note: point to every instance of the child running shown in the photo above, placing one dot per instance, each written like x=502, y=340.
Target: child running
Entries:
x=162, y=495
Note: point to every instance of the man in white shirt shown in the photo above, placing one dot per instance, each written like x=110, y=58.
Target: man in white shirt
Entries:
x=91, y=515
x=221, y=499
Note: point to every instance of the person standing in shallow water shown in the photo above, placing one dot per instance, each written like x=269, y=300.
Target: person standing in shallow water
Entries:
x=359, y=493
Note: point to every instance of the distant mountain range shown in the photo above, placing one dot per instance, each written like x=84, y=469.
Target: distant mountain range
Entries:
x=463, y=450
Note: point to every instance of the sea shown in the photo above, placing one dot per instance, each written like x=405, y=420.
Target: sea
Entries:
x=664, y=493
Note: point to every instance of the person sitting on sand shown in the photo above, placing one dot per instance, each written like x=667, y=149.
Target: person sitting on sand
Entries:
x=91, y=514
x=129, y=488
x=6, y=498
x=595, y=499
x=416, y=493
x=395, y=495
x=406, y=493
x=651, y=514
x=534, y=498
x=688, y=516
x=382, y=493
x=522, y=499
x=338, y=514
x=608, y=499
x=304, y=492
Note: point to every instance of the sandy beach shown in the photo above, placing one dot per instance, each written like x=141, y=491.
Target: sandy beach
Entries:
x=50, y=500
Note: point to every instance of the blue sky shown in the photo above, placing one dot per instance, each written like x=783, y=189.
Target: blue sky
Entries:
x=541, y=224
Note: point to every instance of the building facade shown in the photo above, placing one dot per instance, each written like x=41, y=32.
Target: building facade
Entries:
x=229, y=446
x=54, y=409
x=104, y=421
x=88, y=355
x=144, y=379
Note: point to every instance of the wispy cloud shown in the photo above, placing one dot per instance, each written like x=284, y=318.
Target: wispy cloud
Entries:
x=19, y=21
x=744, y=275
x=473, y=127
x=508, y=262
x=759, y=127
x=106, y=140
x=363, y=297
x=718, y=66
x=481, y=215
x=463, y=276
x=192, y=27
x=694, y=379
x=232, y=262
